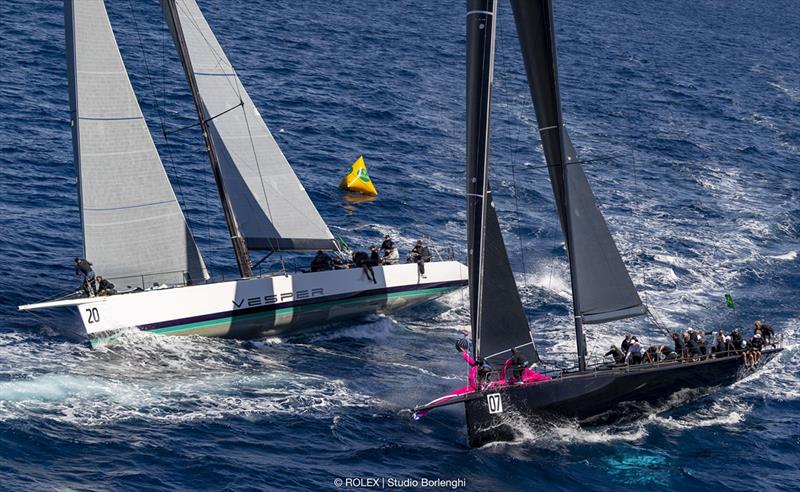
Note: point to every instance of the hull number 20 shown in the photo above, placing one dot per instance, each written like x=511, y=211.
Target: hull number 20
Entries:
x=94, y=315
x=495, y=403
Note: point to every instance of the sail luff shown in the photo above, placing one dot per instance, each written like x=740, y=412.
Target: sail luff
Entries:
x=134, y=231
x=270, y=205
x=239, y=245
x=497, y=316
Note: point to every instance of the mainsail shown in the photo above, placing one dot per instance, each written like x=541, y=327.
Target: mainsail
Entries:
x=498, y=319
x=134, y=231
x=601, y=287
x=271, y=207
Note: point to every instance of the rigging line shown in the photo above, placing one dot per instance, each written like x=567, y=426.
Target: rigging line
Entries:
x=165, y=132
x=160, y=112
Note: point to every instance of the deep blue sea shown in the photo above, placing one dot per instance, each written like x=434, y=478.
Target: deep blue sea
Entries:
x=689, y=111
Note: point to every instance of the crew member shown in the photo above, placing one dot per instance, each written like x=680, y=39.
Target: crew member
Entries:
x=84, y=268
x=390, y=256
x=692, y=345
x=635, y=352
x=478, y=369
x=321, y=262
x=374, y=257
x=679, y=346
x=619, y=357
x=104, y=287
x=626, y=344
x=756, y=344
x=517, y=365
x=767, y=333
x=420, y=254
x=361, y=259
x=387, y=244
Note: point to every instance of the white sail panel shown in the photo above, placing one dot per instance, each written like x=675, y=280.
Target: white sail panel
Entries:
x=271, y=206
x=134, y=231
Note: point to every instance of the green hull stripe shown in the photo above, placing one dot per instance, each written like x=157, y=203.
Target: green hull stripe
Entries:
x=280, y=312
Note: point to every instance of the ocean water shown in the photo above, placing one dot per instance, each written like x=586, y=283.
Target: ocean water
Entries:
x=689, y=111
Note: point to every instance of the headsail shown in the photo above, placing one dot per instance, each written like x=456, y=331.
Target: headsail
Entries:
x=601, y=287
x=270, y=205
x=134, y=231
x=604, y=288
x=498, y=320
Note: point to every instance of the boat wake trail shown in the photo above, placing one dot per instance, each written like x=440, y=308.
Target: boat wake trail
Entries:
x=164, y=379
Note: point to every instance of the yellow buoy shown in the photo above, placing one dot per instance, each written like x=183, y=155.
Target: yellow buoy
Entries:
x=358, y=180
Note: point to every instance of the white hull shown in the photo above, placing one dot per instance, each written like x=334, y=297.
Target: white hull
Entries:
x=266, y=306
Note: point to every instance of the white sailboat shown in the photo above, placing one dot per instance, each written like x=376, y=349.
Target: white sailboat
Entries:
x=135, y=232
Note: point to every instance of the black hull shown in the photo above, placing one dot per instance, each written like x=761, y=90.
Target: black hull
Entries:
x=600, y=396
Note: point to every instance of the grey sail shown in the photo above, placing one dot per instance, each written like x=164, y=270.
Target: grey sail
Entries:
x=602, y=289
x=270, y=205
x=497, y=316
x=134, y=231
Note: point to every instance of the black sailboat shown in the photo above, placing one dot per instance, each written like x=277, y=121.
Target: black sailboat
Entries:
x=602, y=289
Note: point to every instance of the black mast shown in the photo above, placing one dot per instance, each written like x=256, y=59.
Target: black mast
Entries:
x=239, y=246
x=497, y=316
x=480, y=65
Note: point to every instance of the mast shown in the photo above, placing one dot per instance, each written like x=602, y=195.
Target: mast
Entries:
x=602, y=290
x=239, y=246
x=481, y=21
x=498, y=319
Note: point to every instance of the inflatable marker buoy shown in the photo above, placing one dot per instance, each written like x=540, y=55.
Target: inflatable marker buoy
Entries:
x=357, y=179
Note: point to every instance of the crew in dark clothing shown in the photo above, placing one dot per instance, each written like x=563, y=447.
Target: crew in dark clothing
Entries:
x=517, y=366
x=679, y=346
x=420, y=255
x=693, y=346
x=374, y=256
x=626, y=344
x=720, y=346
x=104, y=287
x=767, y=333
x=667, y=353
x=361, y=259
x=321, y=262
x=84, y=268
x=617, y=354
x=701, y=342
x=387, y=244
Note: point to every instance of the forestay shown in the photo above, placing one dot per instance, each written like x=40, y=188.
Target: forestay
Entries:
x=134, y=231
x=271, y=207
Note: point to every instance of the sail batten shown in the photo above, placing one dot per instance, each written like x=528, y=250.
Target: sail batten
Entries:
x=497, y=316
x=271, y=208
x=134, y=231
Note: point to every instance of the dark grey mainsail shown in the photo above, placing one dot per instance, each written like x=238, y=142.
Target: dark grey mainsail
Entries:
x=601, y=287
x=498, y=320
x=134, y=231
x=272, y=209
